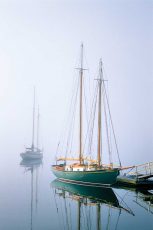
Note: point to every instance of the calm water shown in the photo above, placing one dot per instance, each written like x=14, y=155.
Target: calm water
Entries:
x=31, y=198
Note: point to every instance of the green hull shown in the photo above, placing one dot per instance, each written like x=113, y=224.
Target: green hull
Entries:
x=102, y=177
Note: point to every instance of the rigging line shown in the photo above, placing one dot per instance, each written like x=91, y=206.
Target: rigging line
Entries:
x=89, y=88
x=122, y=198
x=72, y=119
x=94, y=117
x=129, y=171
x=85, y=217
x=66, y=119
x=93, y=122
x=86, y=106
x=70, y=215
x=64, y=219
x=122, y=201
x=84, y=91
x=91, y=116
x=147, y=208
x=72, y=137
x=112, y=125
x=85, y=211
x=87, y=220
x=88, y=124
x=89, y=81
x=55, y=201
x=108, y=220
x=57, y=148
x=79, y=214
x=71, y=129
x=70, y=219
x=85, y=79
x=107, y=133
x=60, y=225
x=73, y=95
x=71, y=111
x=66, y=212
x=118, y=219
x=109, y=122
x=75, y=82
x=87, y=133
x=33, y=118
x=62, y=213
x=90, y=219
x=92, y=214
x=102, y=139
x=90, y=222
x=73, y=124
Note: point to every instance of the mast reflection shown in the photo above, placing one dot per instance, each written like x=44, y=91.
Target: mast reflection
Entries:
x=88, y=203
x=32, y=166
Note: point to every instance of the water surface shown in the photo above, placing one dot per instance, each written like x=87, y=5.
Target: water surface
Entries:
x=31, y=198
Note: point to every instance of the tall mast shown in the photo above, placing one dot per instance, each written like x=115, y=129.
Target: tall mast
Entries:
x=38, y=116
x=33, y=127
x=81, y=109
x=99, y=113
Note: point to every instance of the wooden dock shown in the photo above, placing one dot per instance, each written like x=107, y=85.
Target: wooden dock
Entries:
x=138, y=176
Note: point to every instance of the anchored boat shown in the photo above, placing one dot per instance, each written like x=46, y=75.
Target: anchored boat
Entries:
x=33, y=153
x=86, y=170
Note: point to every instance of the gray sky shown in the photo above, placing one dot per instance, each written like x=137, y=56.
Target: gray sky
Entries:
x=39, y=45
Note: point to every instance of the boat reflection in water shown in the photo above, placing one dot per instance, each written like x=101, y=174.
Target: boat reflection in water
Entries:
x=28, y=164
x=143, y=198
x=32, y=166
x=93, y=206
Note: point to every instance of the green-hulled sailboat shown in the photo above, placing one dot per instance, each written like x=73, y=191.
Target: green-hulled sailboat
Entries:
x=85, y=170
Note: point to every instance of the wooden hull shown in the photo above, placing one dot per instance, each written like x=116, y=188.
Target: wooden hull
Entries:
x=99, y=177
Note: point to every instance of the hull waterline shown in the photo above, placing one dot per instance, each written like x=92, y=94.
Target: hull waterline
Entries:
x=99, y=177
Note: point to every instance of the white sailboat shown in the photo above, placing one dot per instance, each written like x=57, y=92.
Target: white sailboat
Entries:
x=32, y=153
